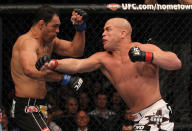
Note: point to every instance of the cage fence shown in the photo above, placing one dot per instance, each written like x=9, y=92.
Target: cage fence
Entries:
x=168, y=29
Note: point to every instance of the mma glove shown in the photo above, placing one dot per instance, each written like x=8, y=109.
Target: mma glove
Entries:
x=80, y=27
x=45, y=59
x=136, y=54
x=73, y=81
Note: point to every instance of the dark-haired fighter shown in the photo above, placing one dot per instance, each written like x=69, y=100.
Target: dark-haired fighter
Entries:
x=132, y=68
x=30, y=84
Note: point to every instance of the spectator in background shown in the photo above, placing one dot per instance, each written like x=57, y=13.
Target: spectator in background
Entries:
x=101, y=114
x=97, y=87
x=84, y=102
x=63, y=93
x=101, y=106
x=116, y=104
x=53, y=107
x=66, y=121
x=83, y=122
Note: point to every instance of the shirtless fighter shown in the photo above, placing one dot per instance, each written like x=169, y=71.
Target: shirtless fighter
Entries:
x=132, y=68
x=30, y=84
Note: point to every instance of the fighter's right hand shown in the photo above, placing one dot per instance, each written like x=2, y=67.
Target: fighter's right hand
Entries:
x=44, y=63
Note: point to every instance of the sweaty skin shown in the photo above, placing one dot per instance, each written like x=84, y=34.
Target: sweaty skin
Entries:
x=136, y=82
x=40, y=40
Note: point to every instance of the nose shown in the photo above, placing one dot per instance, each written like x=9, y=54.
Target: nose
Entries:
x=57, y=30
x=103, y=33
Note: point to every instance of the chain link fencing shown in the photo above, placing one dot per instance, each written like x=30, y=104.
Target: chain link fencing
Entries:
x=170, y=30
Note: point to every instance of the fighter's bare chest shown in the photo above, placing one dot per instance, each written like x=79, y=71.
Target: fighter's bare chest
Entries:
x=119, y=66
x=46, y=50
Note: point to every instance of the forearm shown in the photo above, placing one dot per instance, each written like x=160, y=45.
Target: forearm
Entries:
x=78, y=43
x=72, y=66
x=166, y=60
x=67, y=65
x=44, y=76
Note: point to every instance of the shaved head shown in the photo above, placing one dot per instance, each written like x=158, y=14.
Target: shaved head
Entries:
x=121, y=23
x=117, y=31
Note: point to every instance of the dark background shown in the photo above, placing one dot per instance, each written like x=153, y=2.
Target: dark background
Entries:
x=170, y=31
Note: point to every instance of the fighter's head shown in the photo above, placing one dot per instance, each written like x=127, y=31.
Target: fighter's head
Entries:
x=48, y=22
x=116, y=31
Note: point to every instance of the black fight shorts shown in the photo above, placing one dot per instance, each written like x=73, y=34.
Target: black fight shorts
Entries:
x=26, y=114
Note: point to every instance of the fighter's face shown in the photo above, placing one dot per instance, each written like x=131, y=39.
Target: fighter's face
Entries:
x=111, y=36
x=51, y=29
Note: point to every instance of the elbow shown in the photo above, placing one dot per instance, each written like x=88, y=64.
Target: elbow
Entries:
x=175, y=65
x=178, y=64
x=27, y=72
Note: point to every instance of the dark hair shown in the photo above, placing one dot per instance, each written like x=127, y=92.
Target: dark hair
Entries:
x=45, y=13
x=101, y=93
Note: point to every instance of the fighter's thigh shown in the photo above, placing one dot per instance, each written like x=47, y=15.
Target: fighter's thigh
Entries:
x=31, y=122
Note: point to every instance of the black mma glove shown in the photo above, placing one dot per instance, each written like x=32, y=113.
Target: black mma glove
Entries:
x=83, y=26
x=74, y=82
x=41, y=61
x=136, y=54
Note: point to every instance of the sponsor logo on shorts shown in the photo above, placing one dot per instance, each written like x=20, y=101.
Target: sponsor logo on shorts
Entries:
x=141, y=127
x=156, y=119
x=29, y=109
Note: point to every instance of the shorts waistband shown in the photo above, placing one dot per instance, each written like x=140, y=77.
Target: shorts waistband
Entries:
x=158, y=103
x=29, y=101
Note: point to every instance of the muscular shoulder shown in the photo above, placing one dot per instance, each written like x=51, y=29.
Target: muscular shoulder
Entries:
x=101, y=55
x=147, y=46
x=27, y=42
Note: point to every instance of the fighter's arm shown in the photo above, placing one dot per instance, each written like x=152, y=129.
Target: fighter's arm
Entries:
x=28, y=58
x=74, y=48
x=72, y=66
x=164, y=59
x=79, y=65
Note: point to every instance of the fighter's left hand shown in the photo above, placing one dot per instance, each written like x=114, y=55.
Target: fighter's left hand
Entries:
x=78, y=17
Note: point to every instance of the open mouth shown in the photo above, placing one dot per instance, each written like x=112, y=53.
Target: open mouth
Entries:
x=104, y=40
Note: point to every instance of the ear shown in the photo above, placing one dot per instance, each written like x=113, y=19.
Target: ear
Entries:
x=41, y=24
x=123, y=34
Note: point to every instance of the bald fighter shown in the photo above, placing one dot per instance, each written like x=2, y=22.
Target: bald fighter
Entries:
x=132, y=68
x=30, y=84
